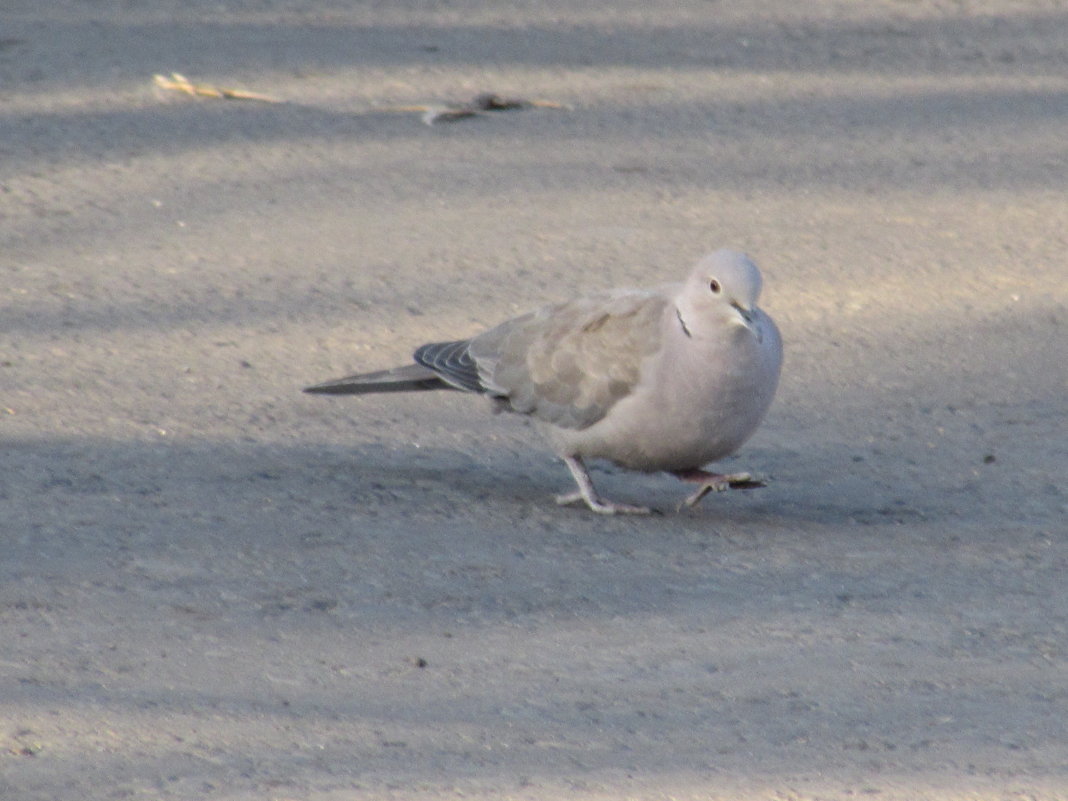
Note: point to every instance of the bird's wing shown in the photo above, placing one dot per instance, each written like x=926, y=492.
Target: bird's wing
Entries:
x=569, y=364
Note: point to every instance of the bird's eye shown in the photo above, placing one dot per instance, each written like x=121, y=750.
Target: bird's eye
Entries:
x=715, y=287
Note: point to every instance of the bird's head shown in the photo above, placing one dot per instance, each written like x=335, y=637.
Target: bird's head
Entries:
x=723, y=288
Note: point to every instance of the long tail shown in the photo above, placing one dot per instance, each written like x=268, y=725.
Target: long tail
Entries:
x=409, y=378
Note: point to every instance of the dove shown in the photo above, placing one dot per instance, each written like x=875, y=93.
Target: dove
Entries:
x=665, y=379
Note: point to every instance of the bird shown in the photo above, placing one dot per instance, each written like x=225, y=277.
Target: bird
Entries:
x=663, y=379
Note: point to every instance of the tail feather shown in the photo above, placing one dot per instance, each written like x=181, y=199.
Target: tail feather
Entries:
x=409, y=378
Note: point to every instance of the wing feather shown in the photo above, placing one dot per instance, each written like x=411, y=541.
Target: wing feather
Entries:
x=569, y=364
x=453, y=363
x=409, y=378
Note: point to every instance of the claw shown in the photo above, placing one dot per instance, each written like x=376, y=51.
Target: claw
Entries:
x=602, y=506
x=716, y=482
x=588, y=494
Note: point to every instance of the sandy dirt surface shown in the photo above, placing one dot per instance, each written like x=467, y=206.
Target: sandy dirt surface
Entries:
x=215, y=587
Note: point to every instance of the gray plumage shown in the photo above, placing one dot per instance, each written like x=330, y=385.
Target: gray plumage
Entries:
x=664, y=379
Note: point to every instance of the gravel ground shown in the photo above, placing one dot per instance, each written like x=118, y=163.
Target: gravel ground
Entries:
x=215, y=587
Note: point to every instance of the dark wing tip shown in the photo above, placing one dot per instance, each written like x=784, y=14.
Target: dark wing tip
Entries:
x=408, y=378
x=328, y=388
x=359, y=388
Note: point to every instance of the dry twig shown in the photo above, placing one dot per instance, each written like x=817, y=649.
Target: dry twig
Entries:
x=179, y=83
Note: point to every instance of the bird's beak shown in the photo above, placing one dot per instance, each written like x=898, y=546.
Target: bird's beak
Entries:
x=748, y=315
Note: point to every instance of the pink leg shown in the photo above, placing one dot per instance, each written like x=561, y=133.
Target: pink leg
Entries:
x=588, y=494
x=715, y=482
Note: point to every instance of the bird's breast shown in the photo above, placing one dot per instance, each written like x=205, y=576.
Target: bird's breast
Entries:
x=697, y=402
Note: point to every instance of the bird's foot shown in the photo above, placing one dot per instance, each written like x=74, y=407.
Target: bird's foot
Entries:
x=587, y=494
x=716, y=482
x=601, y=506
